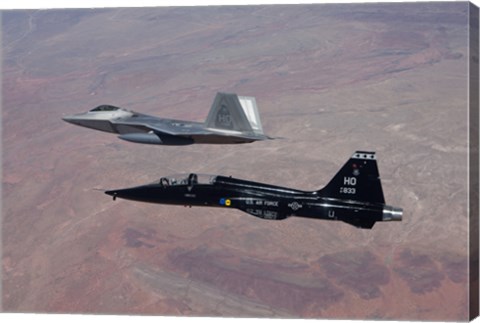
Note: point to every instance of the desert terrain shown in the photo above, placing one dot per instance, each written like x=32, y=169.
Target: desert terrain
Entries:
x=328, y=79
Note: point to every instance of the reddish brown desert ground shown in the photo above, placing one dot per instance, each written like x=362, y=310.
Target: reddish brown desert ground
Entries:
x=328, y=79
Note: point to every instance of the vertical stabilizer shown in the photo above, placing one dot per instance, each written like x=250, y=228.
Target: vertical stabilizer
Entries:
x=231, y=112
x=249, y=106
x=357, y=180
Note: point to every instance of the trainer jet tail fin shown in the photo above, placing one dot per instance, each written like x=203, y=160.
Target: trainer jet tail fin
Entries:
x=358, y=180
x=231, y=112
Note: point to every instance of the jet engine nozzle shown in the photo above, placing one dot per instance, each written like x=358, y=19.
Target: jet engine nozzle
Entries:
x=392, y=213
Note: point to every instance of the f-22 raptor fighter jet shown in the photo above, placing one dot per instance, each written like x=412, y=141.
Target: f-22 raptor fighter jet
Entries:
x=353, y=196
x=232, y=120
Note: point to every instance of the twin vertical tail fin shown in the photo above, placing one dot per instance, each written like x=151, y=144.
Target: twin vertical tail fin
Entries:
x=231, y=112
x=357, y=180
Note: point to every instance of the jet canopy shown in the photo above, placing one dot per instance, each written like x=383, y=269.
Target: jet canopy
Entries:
x=105, y=107
x=187, y=179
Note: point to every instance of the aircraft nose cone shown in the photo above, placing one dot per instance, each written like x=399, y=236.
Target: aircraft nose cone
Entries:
x=66, y=118
x=134, y=193
x=112, y=193
x=70, y=119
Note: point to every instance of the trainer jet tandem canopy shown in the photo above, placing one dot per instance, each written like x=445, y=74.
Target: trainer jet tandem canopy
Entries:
x=353, y=196
x=232, y=120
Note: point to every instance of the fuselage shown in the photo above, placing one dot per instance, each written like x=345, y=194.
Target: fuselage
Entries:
x=258, y=199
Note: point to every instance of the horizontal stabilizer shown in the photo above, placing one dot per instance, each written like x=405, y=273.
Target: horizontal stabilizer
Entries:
x=360, y=223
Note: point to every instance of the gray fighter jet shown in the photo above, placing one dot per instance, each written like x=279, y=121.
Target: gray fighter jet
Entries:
x=232, y=120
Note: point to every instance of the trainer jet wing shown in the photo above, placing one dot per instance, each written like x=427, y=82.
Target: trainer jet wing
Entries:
x=354, y=195
x=232, y=119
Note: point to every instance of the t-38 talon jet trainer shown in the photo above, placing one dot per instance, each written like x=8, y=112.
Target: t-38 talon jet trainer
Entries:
x=232, y=120
x=354, y=195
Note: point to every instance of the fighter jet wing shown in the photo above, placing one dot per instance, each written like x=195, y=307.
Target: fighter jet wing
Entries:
x=198, y=131
x=176, y=128
x=181, y=132
x=192, y=129
x=146, y=123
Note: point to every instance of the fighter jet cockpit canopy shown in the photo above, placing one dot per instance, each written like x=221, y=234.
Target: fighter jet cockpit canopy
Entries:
x=106, y=111
x=187, y=179
x=105, y=107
